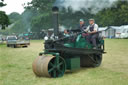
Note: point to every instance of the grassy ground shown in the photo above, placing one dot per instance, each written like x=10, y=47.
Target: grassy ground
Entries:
x=16, y=67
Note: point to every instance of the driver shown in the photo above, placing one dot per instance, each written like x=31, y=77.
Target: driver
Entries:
x=82, y=26
x=92, y=30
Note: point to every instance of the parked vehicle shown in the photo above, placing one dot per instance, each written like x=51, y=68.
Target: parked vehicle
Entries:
x=14, y=41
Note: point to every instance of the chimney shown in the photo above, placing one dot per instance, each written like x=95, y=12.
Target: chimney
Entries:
x=55, y=11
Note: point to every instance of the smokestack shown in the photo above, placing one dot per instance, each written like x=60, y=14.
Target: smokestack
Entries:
x=55, y=11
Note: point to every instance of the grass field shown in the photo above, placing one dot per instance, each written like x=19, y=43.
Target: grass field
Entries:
x=16, y=67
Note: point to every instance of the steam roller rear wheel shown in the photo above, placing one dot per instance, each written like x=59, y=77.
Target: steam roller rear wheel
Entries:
x=49, y=66
x=93, y=60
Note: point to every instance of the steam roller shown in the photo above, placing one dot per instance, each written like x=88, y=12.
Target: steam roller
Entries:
x=66, y=53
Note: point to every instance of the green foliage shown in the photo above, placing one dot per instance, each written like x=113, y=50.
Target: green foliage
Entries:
x=4, y=20
x=113, y=16
x=70, y=19
x=38, y=16
x=116, y=15
x=22, y=23
x=123, y=13
x=43, y=5
x=2, y=4
x=18, y=27
x=43, y=20
x=14, y=17
x=27, y=17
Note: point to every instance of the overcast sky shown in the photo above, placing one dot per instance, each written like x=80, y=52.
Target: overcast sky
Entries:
x=14, y=6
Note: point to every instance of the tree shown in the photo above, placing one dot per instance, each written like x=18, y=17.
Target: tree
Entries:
x=4, y=20
x=2, y=4
x=38, y=16
x=22, y=23
x=116, y=15
x=14, y=16
x=43, y=20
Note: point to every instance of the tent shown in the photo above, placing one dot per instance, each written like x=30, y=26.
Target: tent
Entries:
x=121, y=31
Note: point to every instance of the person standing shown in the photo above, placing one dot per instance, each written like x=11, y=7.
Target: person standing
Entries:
x=92, y=30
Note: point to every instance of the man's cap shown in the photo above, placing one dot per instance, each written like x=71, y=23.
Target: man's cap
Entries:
x=91, y=20
x=81, y=20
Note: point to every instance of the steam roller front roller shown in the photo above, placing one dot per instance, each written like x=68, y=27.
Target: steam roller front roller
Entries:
x=49, y=66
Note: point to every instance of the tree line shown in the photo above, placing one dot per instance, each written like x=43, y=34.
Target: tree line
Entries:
x=38, y=16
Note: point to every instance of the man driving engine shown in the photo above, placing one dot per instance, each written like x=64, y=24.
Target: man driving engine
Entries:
x=92, y=30
x=81, y=26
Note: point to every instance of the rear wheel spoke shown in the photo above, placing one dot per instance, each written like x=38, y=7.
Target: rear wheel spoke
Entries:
x=51, y=69
x=60, y=71
x=54, y=73
x=60, y=64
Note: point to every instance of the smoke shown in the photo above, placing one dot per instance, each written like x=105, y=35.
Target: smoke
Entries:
x=92, y=6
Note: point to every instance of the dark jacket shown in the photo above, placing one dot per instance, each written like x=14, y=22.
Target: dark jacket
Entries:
x=82, y=28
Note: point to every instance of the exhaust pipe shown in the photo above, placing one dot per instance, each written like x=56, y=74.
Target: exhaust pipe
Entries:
x=55, y=11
